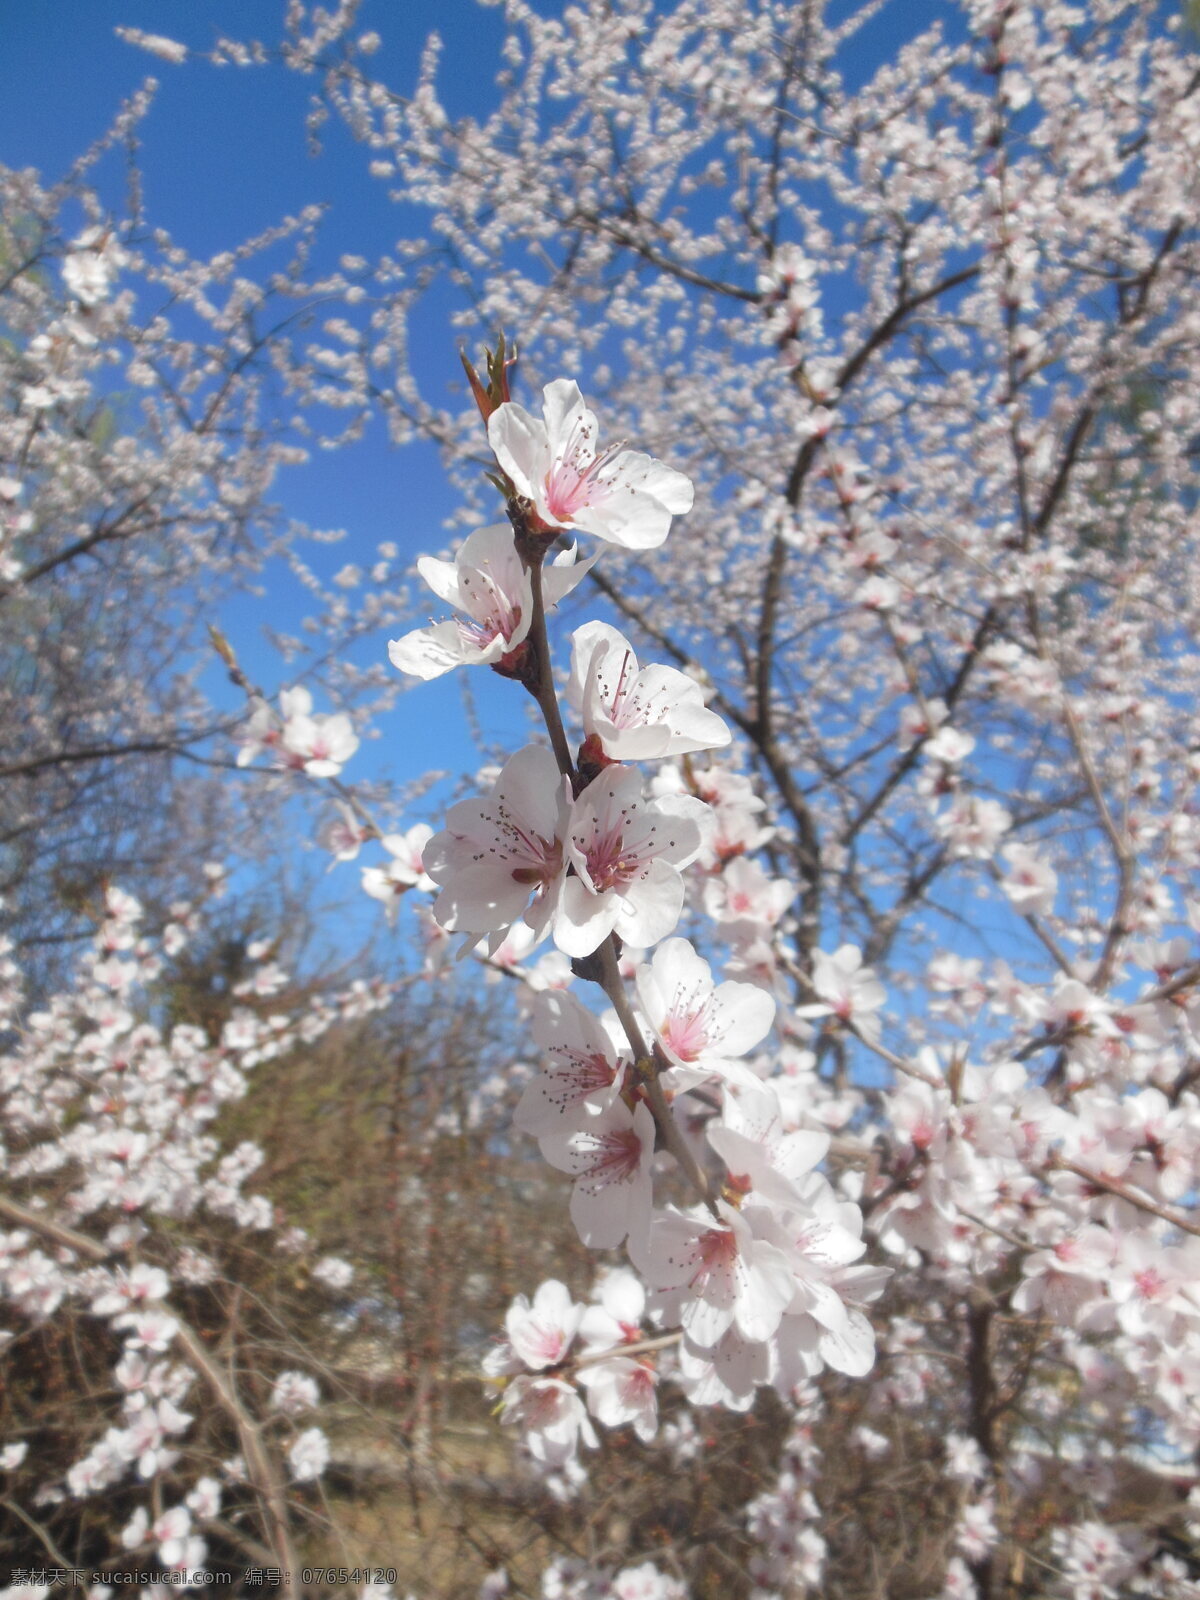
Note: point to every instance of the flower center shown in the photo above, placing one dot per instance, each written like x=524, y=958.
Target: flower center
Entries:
x=576, y=478
x=610, y=862
x=686, y=1034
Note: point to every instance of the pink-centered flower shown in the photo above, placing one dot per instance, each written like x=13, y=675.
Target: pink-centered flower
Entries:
x=494, y=854
x=487, y=584
x=621, y=1391
x=847, y=990
x=540, y=1334
x=619, y=495
x=318, y=745
x=551, y=1417
x=715, y=1274
x=342, y=835
x=404, y=871
x=627, y=852
x=822, y=1243
x=1030, y=883
x=743, y=893
x=582, y=1068
x=636, y=714
x=609, y=1153
x=615, y=1315
x=702, y=1026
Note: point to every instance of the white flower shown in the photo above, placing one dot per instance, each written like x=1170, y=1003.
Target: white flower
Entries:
x=950, y=745
x=487, y=583
x=959, y=1584
x=150, y=1330
x=609, y=1153
x=294, y=1392
x=964, y=1459
x=716, y=1273
x=701, y=1026
x=847, y=990
x=404, y=871
x=919, y=721
x=976, y=1532
x=744, y=893
x=620, y=495
x=627, y=852
x=493, y=854
x=821, y=1242
x=309, y=1455
x=615, y=1315
x=540, y=1334
x=974, y=827
x=95, y=260
x=140, y=1284
x=205, y=1499
x=878, y=593
x=333, y=1272
x=622, y=1391
x=646, y=1582
x=177, y=1548
x=320, y=745
x=551, y=1416
x=135, y=1530
x=873, y=1445
x=260, y=732
x=632, y=714
x=342, y=835
x=1030, y=883
x=583, y=1068
x=156, y=44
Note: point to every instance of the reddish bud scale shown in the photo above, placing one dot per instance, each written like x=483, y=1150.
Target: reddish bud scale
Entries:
x=591, y=759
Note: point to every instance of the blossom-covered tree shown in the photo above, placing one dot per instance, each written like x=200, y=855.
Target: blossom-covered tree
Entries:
x=850, y=886
x=148, y=404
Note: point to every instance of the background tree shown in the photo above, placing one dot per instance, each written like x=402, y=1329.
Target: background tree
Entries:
x=923, y=334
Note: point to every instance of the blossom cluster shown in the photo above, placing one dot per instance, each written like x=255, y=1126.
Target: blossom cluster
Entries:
x=758, y=1279
x=760, y=1276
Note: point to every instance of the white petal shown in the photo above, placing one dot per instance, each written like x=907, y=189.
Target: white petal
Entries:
x=562, y=408
x=851, y=1348
x=442, y=578
x=521, y=447
x=584, y=919
x=651, y=907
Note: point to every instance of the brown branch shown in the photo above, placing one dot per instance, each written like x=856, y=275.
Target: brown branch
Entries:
x=1132, y=1196
x=674, y=269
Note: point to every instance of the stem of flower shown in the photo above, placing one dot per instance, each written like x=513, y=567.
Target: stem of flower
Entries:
x=543, y=688
x=642, y=1347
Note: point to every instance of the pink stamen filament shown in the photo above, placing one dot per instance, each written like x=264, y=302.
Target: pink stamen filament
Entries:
x=570, y=486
